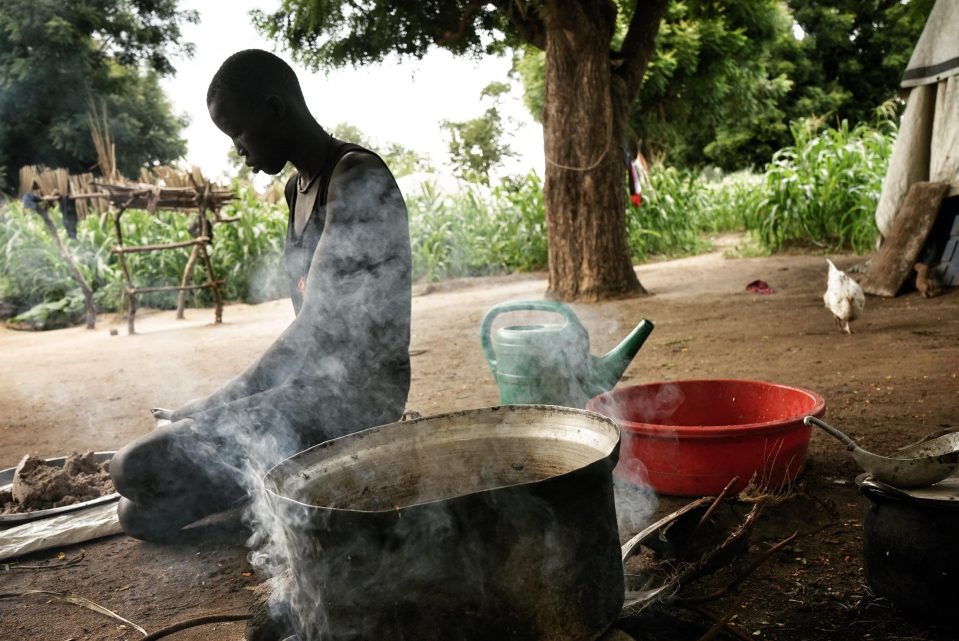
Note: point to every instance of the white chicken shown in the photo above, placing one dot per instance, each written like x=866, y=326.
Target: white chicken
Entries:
x=844, y=297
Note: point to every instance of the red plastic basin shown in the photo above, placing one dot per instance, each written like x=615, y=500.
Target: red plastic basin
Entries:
x=690, y=438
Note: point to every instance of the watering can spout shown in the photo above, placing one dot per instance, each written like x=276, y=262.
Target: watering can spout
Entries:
x=607, y=369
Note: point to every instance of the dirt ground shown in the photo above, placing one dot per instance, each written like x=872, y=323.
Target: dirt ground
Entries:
x=891, y=382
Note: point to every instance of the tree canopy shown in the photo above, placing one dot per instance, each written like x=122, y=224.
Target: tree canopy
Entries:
x=338, y=33
x=59, y=59
x=851, y=55
x=726, y=79
x=594, y=78
x=401, y=160
x=478, y=145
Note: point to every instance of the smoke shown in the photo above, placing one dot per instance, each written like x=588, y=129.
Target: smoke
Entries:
x=341, y=366
x=635, y=504
x=561, y=353
x=659, y=406
x=377, y=536
x=400, y=529
x=655, y=405
x=267, y=280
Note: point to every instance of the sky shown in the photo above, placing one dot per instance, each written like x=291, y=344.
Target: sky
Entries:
x=401, y=101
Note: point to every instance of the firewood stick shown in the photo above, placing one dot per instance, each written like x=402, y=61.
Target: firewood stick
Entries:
x=720, y=623
x=752, y=567
x=633, y=544
x=694, y=569
x=712, y=508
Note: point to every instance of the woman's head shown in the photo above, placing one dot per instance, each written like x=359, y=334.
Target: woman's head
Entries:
x=255, y=99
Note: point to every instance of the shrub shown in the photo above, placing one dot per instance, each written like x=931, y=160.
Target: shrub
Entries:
x=679, y=207
x=666, y=223
x=822, y=191
x=478, y=231
x=247, y=253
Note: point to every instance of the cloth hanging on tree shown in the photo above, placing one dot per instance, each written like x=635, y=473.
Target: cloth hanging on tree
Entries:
x=638, y=176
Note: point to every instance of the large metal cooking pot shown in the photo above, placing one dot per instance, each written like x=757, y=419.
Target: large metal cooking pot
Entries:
x=911, y=546
x=495, y=523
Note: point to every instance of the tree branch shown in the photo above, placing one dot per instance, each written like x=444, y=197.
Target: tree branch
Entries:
x=469, y=12
x=527, y=24
x=639, y=43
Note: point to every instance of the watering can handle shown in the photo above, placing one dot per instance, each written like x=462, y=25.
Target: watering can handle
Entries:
x=519, y=306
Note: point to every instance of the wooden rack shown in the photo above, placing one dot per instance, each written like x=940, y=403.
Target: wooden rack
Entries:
x=203, y=199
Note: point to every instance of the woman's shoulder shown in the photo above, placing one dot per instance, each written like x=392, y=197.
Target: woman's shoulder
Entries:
x=359, y=158
x=361, y=165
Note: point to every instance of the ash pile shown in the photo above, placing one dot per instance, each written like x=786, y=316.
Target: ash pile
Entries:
x=38, y=485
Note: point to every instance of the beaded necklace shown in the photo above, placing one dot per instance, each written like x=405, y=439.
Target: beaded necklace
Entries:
x=300, y=187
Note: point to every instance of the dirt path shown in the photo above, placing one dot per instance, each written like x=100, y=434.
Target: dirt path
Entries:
x=888, y=384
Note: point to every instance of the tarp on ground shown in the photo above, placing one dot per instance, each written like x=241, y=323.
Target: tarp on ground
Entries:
x=927, y=148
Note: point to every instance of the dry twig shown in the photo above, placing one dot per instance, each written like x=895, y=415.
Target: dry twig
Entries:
x=191, y=623
x=715, y=504
x=752, y=567
x=76, y=600
x=720, y=623
x=694, y=570
x=9, y=567
x=633, y=544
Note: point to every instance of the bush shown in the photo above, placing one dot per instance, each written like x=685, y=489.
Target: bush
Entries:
x=679, y=207
x=823, y=190
x=478, y=232
x=730, y=202
x=666, y=223
x=247, y=253
x=31, y=270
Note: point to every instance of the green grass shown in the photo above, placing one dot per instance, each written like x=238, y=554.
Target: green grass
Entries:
x=819, y=193
x=478, y=232
x=247, y=253
x=822, y=191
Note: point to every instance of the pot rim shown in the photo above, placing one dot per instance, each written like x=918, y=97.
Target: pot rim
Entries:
x=873, y=489
x=670, y=432
x=271, y=484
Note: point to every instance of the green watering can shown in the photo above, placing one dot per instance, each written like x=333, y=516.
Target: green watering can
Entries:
x=551, y=364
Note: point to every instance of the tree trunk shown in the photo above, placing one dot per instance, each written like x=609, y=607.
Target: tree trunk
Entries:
x=584, y=188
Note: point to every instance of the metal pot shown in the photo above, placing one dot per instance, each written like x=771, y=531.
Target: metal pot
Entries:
x=496, y=523
x=911, y=546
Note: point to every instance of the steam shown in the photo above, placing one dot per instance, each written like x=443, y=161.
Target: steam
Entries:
x=431, y=552
x=268, y=280
x=635, y=500
x=341, y=366
x=635, y=505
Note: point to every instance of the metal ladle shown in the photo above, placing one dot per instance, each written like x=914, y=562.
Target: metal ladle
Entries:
x=918, y=465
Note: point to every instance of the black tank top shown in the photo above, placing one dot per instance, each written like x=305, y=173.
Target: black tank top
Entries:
x=300, y=248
